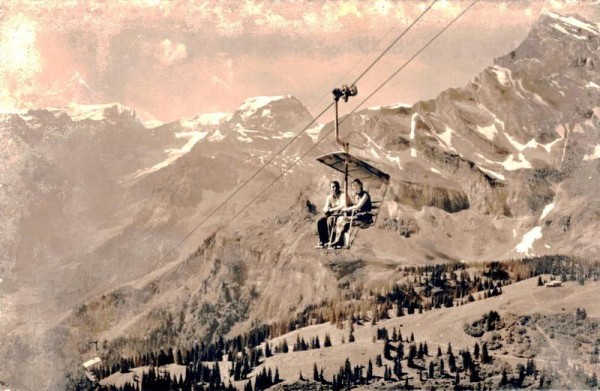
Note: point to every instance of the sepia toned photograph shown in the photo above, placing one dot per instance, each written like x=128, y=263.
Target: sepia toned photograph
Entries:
x=299, y=195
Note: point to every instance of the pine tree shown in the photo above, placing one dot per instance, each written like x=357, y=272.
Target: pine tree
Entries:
x=412, y=352
x=504, y=379
x=473, y=373
x=400, y=351
x=485, y=356
x=370, y=370
x=284, y=346
x=387, y=349
x=317, y=344
x=451, y=362
x=397, y=368
x=476, y=351
x=521, y=378
x=386, y=374
x=315, y=373
x=399, y=310
x=327, y=342
x=348, y=372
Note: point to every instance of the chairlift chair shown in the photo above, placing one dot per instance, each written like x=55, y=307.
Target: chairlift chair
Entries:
x=355, y=168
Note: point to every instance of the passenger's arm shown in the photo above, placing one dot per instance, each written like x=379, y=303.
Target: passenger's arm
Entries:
x=359, y=205
x=327, y=207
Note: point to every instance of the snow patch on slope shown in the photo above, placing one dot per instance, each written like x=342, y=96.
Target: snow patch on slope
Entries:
x=547, y=209
x=504, y=77
x=207, y=119
x=175, y=153
x=572, y=21
x=595, y=155
x=528, y=239
x=79, y=112
x=315, y=131
x=446, y=137
x=216, y=136
x=493, y=173
x=394, y=159
x=531, y=144
x=510, y=164
x=396, y=106
x=562, y=30
x=591, y=84
x=488, y=131
x=413, y=126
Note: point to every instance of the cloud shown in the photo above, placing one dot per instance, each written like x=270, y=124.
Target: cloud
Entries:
x=20, y=61
x=170, y=53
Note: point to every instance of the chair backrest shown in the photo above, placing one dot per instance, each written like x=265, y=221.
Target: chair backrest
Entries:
x=375, y=206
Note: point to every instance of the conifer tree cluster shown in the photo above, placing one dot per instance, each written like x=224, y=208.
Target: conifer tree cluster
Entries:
x=423, y=289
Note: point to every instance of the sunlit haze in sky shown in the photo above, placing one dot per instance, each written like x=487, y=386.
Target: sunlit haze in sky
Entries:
x=175, y=59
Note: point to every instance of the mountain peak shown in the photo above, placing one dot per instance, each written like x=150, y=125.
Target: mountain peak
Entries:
x=269, y=116
x=251, y=106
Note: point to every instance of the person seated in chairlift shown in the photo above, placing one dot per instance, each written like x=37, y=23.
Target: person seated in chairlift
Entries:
x=359, y=211
x=332, y=209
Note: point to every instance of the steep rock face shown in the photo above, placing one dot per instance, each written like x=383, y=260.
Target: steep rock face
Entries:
x=513, y=141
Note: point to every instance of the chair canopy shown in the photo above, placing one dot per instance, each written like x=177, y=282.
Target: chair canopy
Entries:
x=357, y=169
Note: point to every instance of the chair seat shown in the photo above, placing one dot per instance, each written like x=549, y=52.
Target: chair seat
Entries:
x=363, y=223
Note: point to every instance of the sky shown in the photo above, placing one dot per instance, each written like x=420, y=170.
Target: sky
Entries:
x=176, y=59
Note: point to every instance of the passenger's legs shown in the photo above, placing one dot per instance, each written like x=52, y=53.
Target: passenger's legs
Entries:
x=323, y=229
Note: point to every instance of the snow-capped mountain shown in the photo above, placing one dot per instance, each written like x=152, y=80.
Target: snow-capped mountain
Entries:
x=505, y=167
x=82, y=183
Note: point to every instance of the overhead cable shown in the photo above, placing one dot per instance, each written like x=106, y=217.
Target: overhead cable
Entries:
x=274, y=156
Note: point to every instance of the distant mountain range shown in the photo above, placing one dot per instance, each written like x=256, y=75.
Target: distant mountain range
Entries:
x=92, y=199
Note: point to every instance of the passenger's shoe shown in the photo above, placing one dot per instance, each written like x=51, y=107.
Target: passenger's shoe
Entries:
x=336, y=246
x=320, y=245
